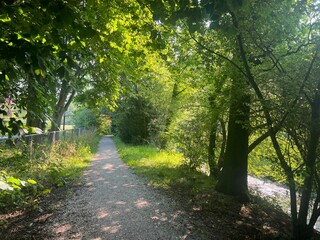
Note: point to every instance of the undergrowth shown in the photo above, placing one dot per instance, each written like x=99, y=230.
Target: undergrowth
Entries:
x=195, y=191
x=163, y=168
x=28, y=172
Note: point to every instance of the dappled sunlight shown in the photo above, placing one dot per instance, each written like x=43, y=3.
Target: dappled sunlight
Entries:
x=117, y=205
x=128, y=185
x=102, y=214
x=100, y=179
x=120, y=203
x=245, y=212
x=142, y=203
x=97, y=156
x=108, y=166
x=160, y=216
x=196, y=209
x=88, y=184
x=63, y=228
x=43, y=217
x=111, y=229
x=77, y=235
x=268, y=229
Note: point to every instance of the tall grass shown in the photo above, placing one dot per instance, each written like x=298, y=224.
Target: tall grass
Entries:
x=29, y=172
x=164, y=169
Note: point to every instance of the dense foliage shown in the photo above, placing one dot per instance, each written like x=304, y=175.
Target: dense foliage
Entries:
x=228, y=83
x=31, y=171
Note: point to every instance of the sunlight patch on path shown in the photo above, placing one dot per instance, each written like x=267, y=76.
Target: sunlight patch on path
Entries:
x=114, y=203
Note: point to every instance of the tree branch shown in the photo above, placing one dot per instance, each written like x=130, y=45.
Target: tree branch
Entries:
x=219, y=55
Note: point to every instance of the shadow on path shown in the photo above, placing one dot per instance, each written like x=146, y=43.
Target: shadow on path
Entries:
x=114, y=203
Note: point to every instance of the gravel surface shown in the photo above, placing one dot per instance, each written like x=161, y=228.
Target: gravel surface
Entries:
x=114, y=203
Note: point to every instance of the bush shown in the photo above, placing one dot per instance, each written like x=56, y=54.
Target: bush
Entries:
x=16, y=192
x=104, y=124
x=28, y=172
x=190, y=137
x=132, y=120
x=85, y=118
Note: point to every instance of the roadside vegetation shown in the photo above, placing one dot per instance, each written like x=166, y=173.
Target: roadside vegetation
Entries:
x=231, y=85
x=193, y=190
x=162, y=168
x=31, y=171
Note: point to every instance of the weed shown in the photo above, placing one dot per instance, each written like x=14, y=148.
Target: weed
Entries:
x=29, y=172
x=162, y=168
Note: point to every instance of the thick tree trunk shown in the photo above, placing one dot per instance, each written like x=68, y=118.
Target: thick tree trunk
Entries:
x=62, y=105
x=233, y=177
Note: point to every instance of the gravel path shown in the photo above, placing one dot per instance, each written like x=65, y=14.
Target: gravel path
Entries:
x=114, y=203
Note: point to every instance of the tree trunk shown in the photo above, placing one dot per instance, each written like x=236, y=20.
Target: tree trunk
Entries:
x=302, y=230
x=211, y=150
x=233, y=177
x=62, y=105
x=212, y=138
x=223, y=144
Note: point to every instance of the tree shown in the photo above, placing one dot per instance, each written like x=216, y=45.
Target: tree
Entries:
x=220, y=11
x=54, y=44
x=133, y=120
x=85, y=118
x=280, y=105
x=257, y=52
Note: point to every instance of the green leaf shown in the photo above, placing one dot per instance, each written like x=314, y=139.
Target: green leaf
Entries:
x=37, y=72
x=31, y=181
x=46, y=191
x=5, y=19
x=13, y=180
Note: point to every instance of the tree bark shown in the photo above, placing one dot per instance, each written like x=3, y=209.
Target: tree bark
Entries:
x=62, y=105
x=211, y=149
x=233, y=177
x=302, y=230
x=223, y=144
x=212, y=138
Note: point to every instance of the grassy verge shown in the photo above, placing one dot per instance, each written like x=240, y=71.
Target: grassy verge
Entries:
x=220, y=215
x=27, y=173
x=163, y=168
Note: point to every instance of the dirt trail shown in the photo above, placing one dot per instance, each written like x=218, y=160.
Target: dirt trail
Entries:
x=114, y=203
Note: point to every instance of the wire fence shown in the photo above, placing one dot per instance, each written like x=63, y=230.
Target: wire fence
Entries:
x=43, y=138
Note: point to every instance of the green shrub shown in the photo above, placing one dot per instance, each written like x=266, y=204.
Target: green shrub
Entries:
x=132, y=120
x=85, y=118
x=190, y=137
x=15, y=192
x=28, y=172
x=164, y=169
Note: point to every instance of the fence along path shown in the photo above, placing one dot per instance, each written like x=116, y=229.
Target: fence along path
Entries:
x=46, y=137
